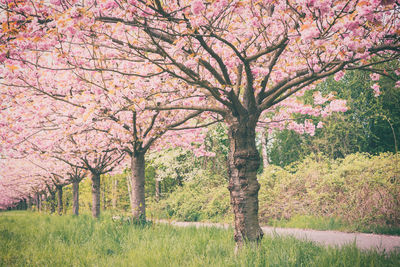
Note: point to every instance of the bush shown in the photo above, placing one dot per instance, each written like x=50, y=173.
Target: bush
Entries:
x=360, y=190
x=203, y=198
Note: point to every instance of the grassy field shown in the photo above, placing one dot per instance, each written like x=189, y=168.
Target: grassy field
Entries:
x=31, y=239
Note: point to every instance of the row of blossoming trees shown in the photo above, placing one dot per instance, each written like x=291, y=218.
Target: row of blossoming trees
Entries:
x=90, y=86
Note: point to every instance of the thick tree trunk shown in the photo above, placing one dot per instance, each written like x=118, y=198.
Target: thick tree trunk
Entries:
x=129, y=185
x=114, y=194
x=264, y=150
x=96, y=195
x=243, y=162
x=137, y=190
x=59, y=200
x=75, y=197
x=158, y=190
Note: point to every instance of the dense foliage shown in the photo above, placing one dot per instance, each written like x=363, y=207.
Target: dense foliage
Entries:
x=361, y=190
x=371, y=124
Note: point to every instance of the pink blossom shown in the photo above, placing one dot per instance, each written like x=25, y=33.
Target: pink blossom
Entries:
x=320, y=125
x=319, y=99
x=310, y=33
x=259, y=70
x=74, y=12
x=198, y=21
x=55, y=2
x=376, y=88
x=397, y=84
x=299, y=128
x=309, y=127
x=197, y=7
x=110, y=5
x=191, y=63
x=338, y=105
x=352, y=25
x=310, y=3
x=338, y=76
x=374, y=76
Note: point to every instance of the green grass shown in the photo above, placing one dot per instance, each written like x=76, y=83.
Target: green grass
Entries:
x=31, y=239
x=325, y=223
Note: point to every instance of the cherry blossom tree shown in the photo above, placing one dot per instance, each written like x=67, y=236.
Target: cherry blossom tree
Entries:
x=238, y=59
x=245, y=57
x=101, y=102
x=22, y=179
x=36, y=120
x=76, y=175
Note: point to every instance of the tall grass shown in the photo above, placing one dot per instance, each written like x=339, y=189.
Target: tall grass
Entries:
x=31, y=239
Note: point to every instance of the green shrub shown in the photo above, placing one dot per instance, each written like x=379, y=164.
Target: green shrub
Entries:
x=360, y=189
x=360, y=192
x=203, y=198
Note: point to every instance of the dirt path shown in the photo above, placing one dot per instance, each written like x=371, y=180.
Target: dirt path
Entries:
x=382, y=243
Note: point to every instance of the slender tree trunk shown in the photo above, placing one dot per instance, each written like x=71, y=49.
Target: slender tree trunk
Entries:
x=75, y=197
x=96, y=195
x=24, y=204
x=137, y=190
x=114, y=194
x=264, y=143
x=52, y=202
x=158, y=190
x=29, y=203
x=59, y=200
x=38, y=202
x=243, y=162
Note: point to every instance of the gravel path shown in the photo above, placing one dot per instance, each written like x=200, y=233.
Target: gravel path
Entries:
x=383, y=243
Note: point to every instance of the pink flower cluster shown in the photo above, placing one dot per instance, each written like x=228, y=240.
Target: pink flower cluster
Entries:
x=376, y=89
x=197, y=7
x=374, y=76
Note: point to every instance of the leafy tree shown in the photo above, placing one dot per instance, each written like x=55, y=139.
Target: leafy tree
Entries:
x=371, y=124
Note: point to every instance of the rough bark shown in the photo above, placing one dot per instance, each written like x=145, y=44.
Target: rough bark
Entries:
x=129, y=185
x=59, y=200
x=264, y=143
x=96, y=195
x=137, y=189
x=75, y=196
x=243, y=162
